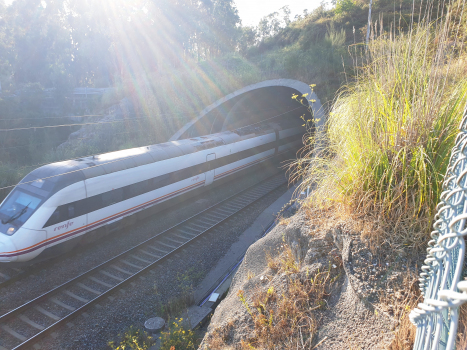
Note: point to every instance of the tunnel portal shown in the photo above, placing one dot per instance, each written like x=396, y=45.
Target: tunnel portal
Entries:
x=268, y=100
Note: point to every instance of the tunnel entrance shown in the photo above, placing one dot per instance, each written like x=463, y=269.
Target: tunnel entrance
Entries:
x=268, y=100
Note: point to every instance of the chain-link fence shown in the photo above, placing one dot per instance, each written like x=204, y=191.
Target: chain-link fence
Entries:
x=437, y=317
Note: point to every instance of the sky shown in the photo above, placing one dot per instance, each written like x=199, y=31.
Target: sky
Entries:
x=251, y=11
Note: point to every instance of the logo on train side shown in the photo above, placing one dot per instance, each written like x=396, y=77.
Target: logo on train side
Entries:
x=195, y=179
x=64, y=226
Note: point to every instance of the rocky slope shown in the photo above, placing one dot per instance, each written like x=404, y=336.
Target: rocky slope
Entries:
x=313, y=282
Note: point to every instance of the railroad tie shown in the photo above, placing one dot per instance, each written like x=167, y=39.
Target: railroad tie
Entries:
x=89, y=289
x=31, y=322
x=47, y=313
x=141, y=259
x=132, y=265
x=157, y=249
x=173, y=240
x=59, y=303
x=101, y=282
x=77, y=297
x=167, y=245
x=111, y=276
x=180, y=236
x=150, y=254
x=14, y=333
x=121, y=270
x=186, y=232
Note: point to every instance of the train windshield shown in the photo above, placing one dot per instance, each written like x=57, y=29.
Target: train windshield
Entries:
x=18, y=207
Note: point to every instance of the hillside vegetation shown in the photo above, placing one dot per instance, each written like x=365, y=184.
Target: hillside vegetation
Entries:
x=394, y=108
x=391, y=128
x=166, y=82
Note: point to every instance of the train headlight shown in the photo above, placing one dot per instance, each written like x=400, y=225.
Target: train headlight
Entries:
x=10, y=231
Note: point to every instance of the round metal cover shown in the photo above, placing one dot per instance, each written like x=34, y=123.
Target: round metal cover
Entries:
x=154, y=324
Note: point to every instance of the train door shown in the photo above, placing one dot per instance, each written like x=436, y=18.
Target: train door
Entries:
x=209, y=172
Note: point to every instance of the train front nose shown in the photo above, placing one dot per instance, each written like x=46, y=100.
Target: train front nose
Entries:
x=6, y=248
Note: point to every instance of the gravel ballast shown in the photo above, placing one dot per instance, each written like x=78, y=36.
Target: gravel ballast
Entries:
x=137, y=301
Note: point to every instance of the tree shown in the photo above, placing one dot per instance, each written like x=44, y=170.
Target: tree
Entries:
x=286, y=14
x=248, y=38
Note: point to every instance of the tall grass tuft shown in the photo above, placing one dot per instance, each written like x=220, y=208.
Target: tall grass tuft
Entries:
x=391, y=130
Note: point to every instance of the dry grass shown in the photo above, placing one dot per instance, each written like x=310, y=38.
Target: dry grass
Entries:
x=462, y=328
x=250, y=275
x=390, y=131
x=176, y=305
x=286, y=318
x=404, y=336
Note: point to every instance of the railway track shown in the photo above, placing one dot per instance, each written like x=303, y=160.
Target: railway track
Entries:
x=24, y=326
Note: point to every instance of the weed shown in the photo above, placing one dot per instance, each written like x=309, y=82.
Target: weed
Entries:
x=176, y=305
x=178, y=338
x=402, y=305
x=272, y=263
x=133, y=339
x=286, y=261
x=288, y=317
x=390, y=133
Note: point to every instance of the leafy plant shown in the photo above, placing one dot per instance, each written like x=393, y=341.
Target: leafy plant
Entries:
x=177, y=337
x=133, y=339
x=390, y=132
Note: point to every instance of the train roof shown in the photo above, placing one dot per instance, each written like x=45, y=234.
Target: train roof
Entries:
x=50, y=178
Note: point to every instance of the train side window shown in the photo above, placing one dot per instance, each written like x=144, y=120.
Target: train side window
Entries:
x=60, y=214
x=174, y=177
x=112, y=197
x=160, y=181
x=71, y=211
x=127, y=194
x=138, y=188
x=118, y=195
x=200, y=169
x=54, y=218
x=107, y=199
x=93, y=203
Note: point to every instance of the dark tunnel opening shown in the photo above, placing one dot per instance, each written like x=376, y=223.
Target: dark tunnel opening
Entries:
x=273, y=103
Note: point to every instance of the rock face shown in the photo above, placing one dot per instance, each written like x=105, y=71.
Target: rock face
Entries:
x=347, y=319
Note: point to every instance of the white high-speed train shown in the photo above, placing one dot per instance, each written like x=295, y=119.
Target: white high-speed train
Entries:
x=55, y=205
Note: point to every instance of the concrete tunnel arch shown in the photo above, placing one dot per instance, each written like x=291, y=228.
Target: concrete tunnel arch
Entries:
x=252, y=104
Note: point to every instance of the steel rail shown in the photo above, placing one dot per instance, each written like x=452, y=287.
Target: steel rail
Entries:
x=28, y=270
x=264, y=188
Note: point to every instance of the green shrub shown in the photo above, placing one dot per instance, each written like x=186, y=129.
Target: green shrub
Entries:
x=390, y=133
x=178, y=338
x=133, y=339
x=343, y=6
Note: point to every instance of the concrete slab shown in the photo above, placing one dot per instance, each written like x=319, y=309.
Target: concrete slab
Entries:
x=238, y=249
x=195, y=316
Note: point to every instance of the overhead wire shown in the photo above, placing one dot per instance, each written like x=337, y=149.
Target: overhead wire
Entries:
x=68, y=125
x=73, y=116
x=93, y=123
x=83, y=124
x=118, y=160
